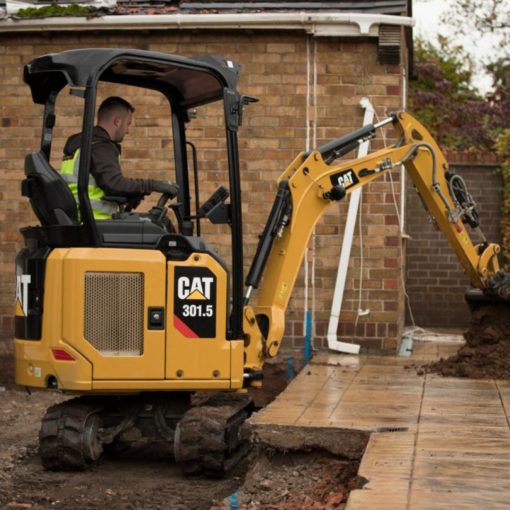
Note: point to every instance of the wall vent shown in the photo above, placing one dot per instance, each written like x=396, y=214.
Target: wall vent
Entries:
x=390, y=37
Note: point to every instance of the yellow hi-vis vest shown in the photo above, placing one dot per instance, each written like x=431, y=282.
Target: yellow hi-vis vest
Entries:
x=102, y=209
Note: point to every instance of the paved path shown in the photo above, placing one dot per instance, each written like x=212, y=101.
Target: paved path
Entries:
x=435, y=443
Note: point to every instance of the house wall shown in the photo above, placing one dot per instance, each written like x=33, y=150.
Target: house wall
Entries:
x=435, y=280
x=309, y=90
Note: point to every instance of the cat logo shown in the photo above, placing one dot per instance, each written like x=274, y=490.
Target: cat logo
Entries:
x=195, y=302
x=22, y=283
x=346, y=179
x=196, y=288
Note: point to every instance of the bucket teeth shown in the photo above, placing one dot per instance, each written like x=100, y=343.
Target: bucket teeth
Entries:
x=499, y=284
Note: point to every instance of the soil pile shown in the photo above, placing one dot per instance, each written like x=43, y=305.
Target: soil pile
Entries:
x=486, y=354
x=296, y=481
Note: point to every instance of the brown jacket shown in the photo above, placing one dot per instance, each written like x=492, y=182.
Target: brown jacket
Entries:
x=105, y=166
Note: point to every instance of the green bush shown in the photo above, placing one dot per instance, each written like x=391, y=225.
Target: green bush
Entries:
x=503, y=150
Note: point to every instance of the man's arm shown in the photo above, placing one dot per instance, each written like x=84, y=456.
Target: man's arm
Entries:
x=108, y=175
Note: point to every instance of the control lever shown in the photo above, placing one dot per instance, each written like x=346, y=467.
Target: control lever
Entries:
x=217, y=198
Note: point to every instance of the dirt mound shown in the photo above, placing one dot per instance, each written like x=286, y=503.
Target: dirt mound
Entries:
x=296, y=481
x=486, y=354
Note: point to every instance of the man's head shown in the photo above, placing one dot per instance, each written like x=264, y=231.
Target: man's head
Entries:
x=114, y=116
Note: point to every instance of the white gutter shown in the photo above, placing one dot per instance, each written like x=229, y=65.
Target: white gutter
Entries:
x=319, y=24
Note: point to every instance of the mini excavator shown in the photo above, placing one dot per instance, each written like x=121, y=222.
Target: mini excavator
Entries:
x=134, y=319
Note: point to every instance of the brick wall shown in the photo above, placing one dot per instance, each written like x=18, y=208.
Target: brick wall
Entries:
x=279, y=68
x=435, y=280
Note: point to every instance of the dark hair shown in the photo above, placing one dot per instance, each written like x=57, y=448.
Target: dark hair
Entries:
x=111, y=105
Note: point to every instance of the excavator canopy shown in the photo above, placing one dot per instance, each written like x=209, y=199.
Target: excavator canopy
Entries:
x=189, y=82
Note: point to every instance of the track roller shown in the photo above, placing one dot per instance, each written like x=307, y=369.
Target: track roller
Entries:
x=69, y=436
x=208, y=438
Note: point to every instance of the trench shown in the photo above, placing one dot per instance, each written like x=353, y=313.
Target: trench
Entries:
x=294, y=467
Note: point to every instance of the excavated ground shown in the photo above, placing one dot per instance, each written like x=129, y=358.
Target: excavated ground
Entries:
x=147, y=478
x=295, y=481
x=486, y=354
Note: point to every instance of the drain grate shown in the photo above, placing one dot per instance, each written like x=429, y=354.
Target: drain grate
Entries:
x=392, y=429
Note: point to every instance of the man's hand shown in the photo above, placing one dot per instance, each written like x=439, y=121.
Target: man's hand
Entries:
x=133, y=203
x=167, y=188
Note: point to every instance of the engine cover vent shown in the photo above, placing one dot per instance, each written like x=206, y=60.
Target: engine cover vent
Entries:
x=114, y=312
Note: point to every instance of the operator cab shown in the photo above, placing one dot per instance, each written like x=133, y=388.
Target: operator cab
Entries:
x=185, y=84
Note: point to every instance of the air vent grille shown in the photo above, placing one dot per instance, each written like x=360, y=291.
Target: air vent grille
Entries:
x=114, y=312
x=389, y=44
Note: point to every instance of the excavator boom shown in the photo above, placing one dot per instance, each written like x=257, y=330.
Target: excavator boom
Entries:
x=313, y=181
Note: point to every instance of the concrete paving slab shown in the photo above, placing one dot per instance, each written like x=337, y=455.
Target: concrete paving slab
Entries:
x=431, y=442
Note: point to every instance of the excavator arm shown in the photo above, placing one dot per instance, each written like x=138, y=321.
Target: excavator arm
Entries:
x=307, y=188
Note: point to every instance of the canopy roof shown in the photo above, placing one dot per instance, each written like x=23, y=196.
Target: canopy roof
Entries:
x=190, y=82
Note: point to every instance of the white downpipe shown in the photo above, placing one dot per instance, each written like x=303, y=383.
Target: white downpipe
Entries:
x=333, y=343
x=314, y=144
x=307, y=148
x=311, y=140
x=403, y=170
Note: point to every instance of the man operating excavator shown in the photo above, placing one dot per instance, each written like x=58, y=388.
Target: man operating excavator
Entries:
x=136, y=319
x=114, y=117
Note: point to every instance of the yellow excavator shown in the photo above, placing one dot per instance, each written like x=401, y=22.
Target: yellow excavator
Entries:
x=134, y=319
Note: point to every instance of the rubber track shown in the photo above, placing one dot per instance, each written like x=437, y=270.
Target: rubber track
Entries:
x=203, y=432
x=61, y=438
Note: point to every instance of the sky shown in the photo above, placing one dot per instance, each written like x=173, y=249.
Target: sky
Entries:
x=427, y=14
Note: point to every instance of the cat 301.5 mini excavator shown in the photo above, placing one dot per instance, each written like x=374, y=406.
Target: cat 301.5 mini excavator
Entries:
x=134, y=318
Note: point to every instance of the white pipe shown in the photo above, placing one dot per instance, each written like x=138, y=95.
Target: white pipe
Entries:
x=320, y=24
x=403, y=171
x=307, y=148
x=333, y=343
x=314, y=142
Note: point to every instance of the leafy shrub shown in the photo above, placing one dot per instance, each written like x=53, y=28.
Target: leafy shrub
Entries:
x=444, y=100
x=503, y=151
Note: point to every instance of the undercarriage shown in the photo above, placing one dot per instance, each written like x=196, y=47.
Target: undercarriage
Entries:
x=205, y=435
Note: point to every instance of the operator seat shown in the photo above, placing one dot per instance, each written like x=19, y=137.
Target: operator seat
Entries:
x=49, y=195
x=55, y=206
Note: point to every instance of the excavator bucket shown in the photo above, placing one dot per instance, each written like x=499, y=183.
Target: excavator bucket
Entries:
x=497, y=292
x=490, y=312
x=499, y=285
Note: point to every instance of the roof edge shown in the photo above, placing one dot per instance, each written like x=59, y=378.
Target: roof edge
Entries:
x=318, y=24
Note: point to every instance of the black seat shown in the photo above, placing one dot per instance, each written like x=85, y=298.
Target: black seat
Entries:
x=55, y=207
x=50, y=196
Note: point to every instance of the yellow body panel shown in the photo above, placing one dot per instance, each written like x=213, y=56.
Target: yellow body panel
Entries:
x=168, y=385
x=152, y=264
x=169, y=361
x=34, y=360
x=190, y=357
x=34, y=364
